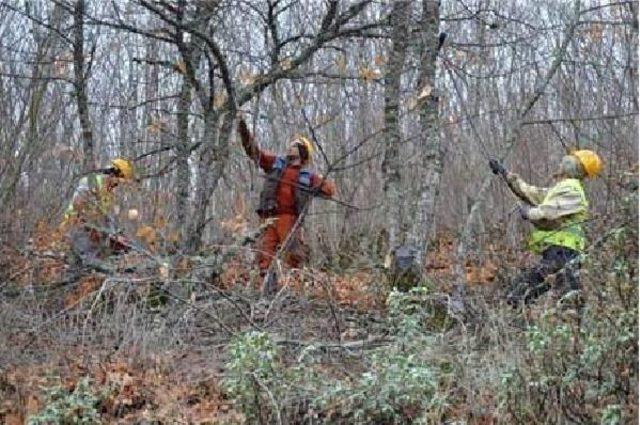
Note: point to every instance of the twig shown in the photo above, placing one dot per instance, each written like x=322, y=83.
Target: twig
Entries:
x=271, y=397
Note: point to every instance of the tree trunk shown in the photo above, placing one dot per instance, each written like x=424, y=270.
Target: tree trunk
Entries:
x=80, y=88
x=391, y=166
x=404, y=235
x=211, y=166
x=429, y=150
x=183, y=177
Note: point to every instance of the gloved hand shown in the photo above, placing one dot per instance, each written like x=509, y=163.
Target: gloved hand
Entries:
x=523, y=210
x=246, y=138
x=243, y=129
x=497, y=167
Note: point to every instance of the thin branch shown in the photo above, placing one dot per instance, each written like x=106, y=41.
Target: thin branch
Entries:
x=579, y=119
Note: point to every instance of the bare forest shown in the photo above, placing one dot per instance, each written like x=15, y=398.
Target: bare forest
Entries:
x=397, y=313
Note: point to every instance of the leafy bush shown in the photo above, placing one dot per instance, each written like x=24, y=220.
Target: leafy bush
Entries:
x=69, y=408
x=253, y=373
x=582, y=366
x=397, y=386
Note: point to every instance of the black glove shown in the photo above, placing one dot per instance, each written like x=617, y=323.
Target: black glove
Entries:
x=523, y=210
x=243, y=129
x=497, y=168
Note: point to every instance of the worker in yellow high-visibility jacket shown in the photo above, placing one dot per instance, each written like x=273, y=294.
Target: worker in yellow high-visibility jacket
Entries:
x=87, y=218
x=558, y=215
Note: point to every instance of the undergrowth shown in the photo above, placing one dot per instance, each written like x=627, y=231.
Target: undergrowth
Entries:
x=320, y=359
x=558, y=362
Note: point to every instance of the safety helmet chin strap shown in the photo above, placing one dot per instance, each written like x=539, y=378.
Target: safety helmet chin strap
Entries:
x=302, y=151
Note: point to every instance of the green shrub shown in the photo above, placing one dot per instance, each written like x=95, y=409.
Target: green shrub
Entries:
x=582, y=366
x=253, y=373
x=69, y=408
x=398, y=388
x=398, y=385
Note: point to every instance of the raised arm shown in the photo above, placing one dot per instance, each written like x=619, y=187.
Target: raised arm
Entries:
x=264, y=159
x=248, y=142
x=532, y=194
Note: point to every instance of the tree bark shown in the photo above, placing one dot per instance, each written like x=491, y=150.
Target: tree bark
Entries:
x=391, y=165
x=211, y=166
x=429, y=142
x=183, y=174
x=80, y=89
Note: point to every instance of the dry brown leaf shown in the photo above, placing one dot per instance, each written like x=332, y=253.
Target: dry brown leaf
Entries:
x=595, y=32
x=13, y=419
x=160, y=222
x=147, y=234
x=219, y=100
x=180, y=66
x=237, y=225
x=369, y=74
x=157, y=126
x=341, y=64
x=379, y=60
x=86, y=287
x=33, y=404
x=173, y=236
x=425, y=92
x=61, y=65
x=247, y=78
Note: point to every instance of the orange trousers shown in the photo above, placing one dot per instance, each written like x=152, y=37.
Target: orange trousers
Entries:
x=274, y=235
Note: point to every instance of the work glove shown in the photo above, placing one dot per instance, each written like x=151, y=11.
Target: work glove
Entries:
x=497, y=168
x=523, y=210
x=246, y=138
x=243, y=129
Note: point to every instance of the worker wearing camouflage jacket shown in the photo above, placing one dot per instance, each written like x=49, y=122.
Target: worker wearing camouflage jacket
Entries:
x=289, y=185
x=558, y=215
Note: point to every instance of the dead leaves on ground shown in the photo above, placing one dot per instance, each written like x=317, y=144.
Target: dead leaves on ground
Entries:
x=154, y=390
x=87, y=286
x=43, y=260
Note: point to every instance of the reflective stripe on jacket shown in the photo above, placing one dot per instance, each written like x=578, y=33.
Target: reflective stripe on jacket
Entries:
x=558, y=213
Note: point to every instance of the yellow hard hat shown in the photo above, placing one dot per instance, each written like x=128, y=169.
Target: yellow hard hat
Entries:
x=307, y=145
x=124, y=167
x=590, y=161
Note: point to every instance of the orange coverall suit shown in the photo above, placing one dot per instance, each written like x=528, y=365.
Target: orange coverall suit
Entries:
x=286, y=213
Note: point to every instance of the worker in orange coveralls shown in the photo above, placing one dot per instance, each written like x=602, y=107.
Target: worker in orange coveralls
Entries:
x=288, y=187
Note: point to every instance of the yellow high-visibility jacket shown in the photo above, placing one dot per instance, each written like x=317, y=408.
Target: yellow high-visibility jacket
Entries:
x=558, y=212
x=96, y=202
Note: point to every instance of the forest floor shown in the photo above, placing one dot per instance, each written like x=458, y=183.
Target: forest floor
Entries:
x=153, y=339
